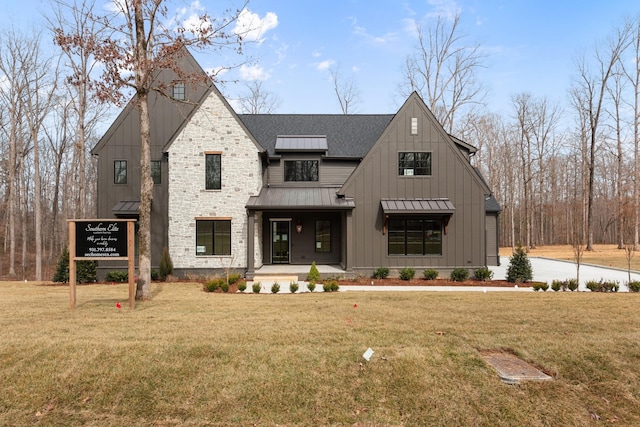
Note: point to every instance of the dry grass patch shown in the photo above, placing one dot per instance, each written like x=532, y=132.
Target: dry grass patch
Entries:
x=193, y=358
x=606, y=255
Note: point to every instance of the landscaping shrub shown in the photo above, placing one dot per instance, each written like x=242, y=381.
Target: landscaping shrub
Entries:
x=380, y=273
x=256, y=287
x=313, y=277
x=602, y=285
x=117, y=276
x=634, y=286
x=483, y=274
x=293, y=287
x=85, y=270
x=556, y=285
x=275, y=288
x=537, y=286
x=572, y=284
x=242, y=286
x=311, y=286
x=224, y=286
x=334, y=286
x=331, y=286
x=213, y=285
x=166, y=265
x=519, y=269
x=430, y=274
x=459, y=274
x=233, y=278
x=407, y=273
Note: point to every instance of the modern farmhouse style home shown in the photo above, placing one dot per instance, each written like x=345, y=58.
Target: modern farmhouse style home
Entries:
x=243, y=191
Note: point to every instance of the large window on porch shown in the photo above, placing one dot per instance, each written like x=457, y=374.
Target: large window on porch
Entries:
x=415, y=236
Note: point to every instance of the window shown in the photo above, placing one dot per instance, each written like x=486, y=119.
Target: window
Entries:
x=120, y=172
x=323, y=235
x=213, y=173
x=414, y=125
x=301, y=170
x=414, y=164
x=213, y=237
x=415, y=236
x=156, y=171
x=179, y=92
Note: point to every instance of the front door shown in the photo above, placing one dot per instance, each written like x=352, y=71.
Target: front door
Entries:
x=280, y=244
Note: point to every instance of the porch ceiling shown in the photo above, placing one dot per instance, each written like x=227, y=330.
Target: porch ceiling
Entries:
x=299, y=198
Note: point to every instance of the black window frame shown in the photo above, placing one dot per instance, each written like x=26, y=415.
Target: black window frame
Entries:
x=323, y=236
x=156, y=171
x=411, y=233
x=301, y=170
x=214, y=235
x=213, y=171
x=119, y=172
x=418, y=162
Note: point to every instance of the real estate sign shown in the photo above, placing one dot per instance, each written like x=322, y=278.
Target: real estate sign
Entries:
x=101, y=239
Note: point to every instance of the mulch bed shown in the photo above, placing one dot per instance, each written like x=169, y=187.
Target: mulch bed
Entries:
x=422, y=282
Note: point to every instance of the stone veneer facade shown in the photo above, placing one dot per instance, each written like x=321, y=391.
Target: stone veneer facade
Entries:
x=213, y=128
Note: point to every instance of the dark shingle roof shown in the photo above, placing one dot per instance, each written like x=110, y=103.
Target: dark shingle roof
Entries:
x=347, y=135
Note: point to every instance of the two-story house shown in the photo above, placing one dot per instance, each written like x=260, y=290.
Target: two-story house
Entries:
x=356, y=191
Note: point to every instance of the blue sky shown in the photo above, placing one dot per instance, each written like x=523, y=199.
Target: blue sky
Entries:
x=530, y=46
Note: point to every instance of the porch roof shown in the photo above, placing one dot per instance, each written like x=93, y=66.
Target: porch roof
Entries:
x=412, y=206
x=126, y=207
x=299, y=198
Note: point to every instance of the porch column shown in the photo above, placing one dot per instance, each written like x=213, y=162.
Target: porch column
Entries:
x=250, y=243
x=348, y=234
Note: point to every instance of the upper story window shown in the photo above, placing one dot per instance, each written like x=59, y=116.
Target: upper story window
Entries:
x=156, y=171
x=301, y=170
x=418, y=163
x=179, y=92
x=213, y=171
x=120, y=172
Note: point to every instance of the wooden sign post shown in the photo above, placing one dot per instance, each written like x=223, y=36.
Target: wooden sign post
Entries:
x=101, y=239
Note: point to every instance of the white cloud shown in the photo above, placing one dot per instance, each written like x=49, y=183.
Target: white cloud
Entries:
x=253, y=28
x=253, y=72
x=325, y=65
x=447, y=9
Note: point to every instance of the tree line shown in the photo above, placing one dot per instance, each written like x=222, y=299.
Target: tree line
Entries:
x=562, y=175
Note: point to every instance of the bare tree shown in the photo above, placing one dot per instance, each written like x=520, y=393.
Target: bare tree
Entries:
x=443, y=71
x=133, y=43
x=257, y=100
x=592, y=86
x=346, y=91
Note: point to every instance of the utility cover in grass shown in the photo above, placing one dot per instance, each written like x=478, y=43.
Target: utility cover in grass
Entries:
x=512, y=369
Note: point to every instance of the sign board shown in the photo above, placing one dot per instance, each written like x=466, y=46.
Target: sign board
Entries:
x=101, y=239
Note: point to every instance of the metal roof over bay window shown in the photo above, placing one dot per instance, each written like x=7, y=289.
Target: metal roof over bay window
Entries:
x=413, y=206
x=296, y=143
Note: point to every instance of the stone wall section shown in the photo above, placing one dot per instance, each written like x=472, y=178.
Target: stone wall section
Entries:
x=213, y=128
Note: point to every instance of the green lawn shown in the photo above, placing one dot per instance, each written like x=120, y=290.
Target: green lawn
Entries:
x=194, y=358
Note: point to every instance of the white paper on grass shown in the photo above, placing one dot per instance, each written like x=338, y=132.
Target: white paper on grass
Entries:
x=367, y=354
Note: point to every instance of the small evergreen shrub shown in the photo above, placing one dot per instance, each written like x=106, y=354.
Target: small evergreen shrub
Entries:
x=572, y=284
x=634, y=286
x=602, y=285
x=407, y=273
x=224, y=286
x=311, y=286
x=213, y=285
x=233, y=278
x=314, y=274
x=380, y=273
x=459, y=274
x=242, y=286
x=62, y=269
x=117, y=276
x=326, y=287
x=166, y=265
x=331, y=286
x=556, y=285
x=256, y=287
x=293, y=287
x=155, y=275
x=85, y=270
x=275, y=288
x=483, y=274
x=519, y=269
x=430, y=274
x=540, y=286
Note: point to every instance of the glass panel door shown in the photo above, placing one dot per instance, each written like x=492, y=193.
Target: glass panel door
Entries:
x=280, y=242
